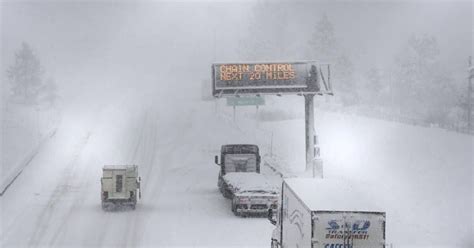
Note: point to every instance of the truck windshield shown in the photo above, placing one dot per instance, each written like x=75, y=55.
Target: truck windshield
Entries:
x=240, y=163
x=242, y=149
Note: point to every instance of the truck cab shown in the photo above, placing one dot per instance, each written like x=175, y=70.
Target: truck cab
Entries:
x=236, y=158
x=120, y=186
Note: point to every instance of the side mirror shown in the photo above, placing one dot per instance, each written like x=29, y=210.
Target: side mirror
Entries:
x=139, y=179
x=216, y=160
x=271, y=217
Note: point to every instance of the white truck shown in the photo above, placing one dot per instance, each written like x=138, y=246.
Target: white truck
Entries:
x=240, y=180
x=120, y=186
x=251, y=193
x=324, y=213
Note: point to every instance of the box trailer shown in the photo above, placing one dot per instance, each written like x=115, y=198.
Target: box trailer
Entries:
x=120, y=186
x=323, y=213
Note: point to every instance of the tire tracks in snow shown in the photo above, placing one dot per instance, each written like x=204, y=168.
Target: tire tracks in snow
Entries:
x=169, y=154
x=149, y=148
x=76, y=177
x=109, y=217
x=143, y=153
x=61, y=189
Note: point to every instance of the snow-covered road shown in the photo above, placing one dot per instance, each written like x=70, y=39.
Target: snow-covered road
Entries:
x=421, y=176
x=56, y=202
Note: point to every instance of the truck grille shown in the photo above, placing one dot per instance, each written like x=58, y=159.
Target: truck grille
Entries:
x=259, y=206
x=242, y=206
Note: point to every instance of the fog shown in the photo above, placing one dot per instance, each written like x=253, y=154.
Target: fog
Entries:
x=88, y=83
x=109, y=46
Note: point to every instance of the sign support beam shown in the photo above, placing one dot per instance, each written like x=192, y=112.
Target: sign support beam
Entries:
x=309, y=136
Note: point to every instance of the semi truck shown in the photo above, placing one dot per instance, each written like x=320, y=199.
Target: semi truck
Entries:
x=239, y=179
x=325, y=213
x=120, y=186
x=236, y=158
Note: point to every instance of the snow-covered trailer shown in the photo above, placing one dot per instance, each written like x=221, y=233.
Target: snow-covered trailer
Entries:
x=323, y=213
x=120, y=185
x=251, y=193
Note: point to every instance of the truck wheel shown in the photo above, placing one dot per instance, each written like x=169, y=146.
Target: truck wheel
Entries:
x=222, y=191
x=234, y=210
x=274, y=244
x=227, y=194
x=236, y=213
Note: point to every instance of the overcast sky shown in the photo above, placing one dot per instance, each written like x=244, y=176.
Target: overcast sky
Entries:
x=107, y=43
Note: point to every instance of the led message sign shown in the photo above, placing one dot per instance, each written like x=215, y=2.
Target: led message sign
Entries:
x=270, y=78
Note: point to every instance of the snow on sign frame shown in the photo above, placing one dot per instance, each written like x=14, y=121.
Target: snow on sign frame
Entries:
x=275, y=78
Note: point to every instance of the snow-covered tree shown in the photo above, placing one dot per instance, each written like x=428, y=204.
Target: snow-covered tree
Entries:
x=25, y=76
x=269, y=36
x=372, y=88
x=323, y=46
x=424, y=88
x=49, y=92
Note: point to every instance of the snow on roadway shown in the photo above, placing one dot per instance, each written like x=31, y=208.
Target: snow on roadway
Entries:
x=422, y=177
x=192, y=212
x=56, y=202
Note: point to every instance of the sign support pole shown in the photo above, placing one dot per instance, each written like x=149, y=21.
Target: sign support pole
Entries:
x=234, y=113
x=309, y=133
x=256, y=116
x=469, y=96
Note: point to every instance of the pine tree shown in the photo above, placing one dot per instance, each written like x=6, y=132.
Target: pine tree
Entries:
x=25, y=76
x=323, y=44
x=268, y=37
x=49, y=92
x=424, y=88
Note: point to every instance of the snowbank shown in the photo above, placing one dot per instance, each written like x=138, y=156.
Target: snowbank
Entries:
x=421, y=177
x=25, y=130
